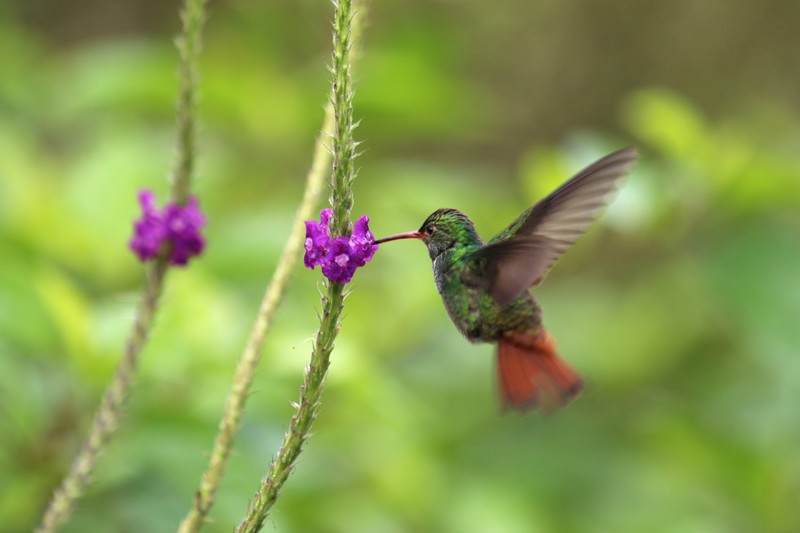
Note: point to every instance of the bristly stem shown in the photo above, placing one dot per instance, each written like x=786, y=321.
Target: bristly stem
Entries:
x=230, y=423
x=332, y=302
x=110, y=412
x=344, y=147
x=189, y=44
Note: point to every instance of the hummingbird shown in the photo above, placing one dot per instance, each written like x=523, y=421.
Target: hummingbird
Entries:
x=485, y=285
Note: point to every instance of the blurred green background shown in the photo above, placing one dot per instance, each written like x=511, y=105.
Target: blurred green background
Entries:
x=680, y=308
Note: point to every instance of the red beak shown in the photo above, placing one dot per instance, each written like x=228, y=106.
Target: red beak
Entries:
x=407, y=235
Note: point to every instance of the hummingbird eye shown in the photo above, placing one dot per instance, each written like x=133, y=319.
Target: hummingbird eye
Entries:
x=430, y=230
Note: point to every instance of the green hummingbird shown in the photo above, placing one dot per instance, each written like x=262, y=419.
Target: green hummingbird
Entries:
x=484, y=286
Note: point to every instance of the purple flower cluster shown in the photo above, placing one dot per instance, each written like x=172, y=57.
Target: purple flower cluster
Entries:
x=178, y=225
x=339, y=257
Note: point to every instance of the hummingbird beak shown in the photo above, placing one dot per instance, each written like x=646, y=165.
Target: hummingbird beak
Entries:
x=407, y=235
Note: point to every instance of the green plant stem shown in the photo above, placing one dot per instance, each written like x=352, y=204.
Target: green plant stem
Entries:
x=344, y=147
x=245, y=371
x=299, y=427
x=189, y=43
x=332, y=302
x=109, y=414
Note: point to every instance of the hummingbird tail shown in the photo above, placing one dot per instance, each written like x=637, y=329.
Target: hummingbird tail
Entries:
x=531, y=373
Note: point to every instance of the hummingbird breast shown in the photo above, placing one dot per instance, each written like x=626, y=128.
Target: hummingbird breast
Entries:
x=478, y=316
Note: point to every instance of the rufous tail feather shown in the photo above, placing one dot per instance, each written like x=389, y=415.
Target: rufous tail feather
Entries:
x=532, y=375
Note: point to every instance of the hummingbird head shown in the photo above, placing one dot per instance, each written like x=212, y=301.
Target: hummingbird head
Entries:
x=442, y=230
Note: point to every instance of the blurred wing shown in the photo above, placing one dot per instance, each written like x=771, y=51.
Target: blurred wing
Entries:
x=521, y=255
x=514, y=265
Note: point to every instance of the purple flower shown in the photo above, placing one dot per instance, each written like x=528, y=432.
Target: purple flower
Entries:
x=177, y=225
x=149, y=231
x=318, y=236
x=183, y=224
x=361, y=241
x=339, y=257
x=340, y=263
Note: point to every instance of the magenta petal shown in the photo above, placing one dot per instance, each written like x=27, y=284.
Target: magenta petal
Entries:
x=183, y=225
x=339, y=257
x=176, y=224
x=148, y=231
x=325, y=217
x=361, y=241
x=318, y=238
x=147, y=200
x=361, y=232
x=338, y=265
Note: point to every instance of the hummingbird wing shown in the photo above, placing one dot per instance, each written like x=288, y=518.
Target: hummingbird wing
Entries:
x=521, y=255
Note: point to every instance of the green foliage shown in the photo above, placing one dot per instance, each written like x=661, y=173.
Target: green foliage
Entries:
x=679, y=308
